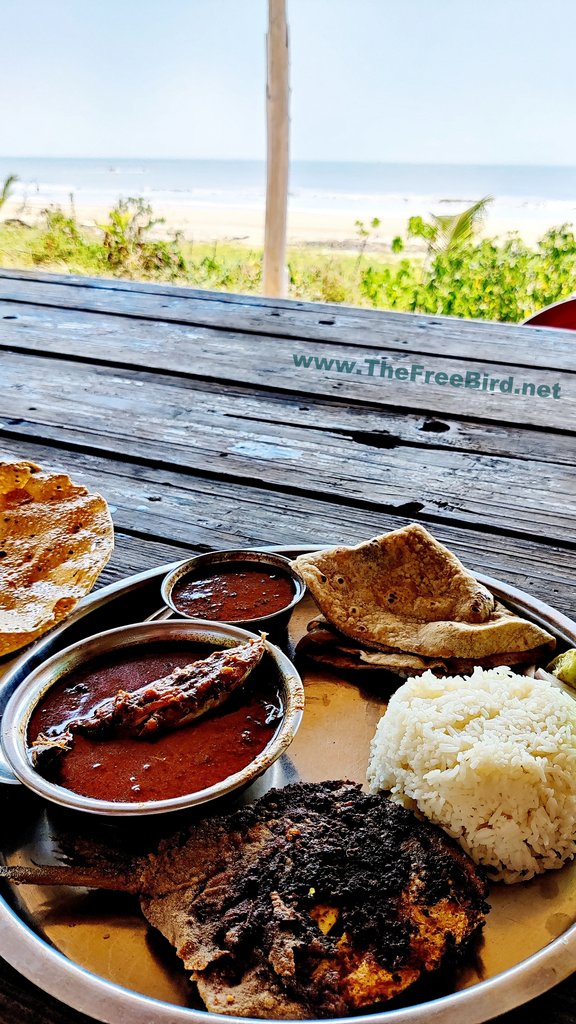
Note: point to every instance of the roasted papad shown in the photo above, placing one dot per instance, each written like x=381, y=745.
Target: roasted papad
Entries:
x=406, y=592
x=55, y=539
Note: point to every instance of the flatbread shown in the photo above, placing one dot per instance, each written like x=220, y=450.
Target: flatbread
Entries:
x=327, y=646
x=55, y=539
x=405, y=573
x=324, y=644
x=405, y=590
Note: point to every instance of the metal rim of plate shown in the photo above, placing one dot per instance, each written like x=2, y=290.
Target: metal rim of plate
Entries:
x=55, y=974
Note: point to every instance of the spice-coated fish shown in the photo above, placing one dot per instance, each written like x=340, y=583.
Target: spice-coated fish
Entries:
x=168, y=703
x=316, y=901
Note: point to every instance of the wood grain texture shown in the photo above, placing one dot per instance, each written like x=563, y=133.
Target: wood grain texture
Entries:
x=144, y=416
x=106, y=340
x=350, y=326
x=242, y=358
x=162, y=515
x=185, y=409
x=113, y=283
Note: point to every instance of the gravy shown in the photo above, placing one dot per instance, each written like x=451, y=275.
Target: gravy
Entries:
x=175, y=763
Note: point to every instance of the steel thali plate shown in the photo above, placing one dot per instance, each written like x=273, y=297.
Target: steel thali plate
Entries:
x=95, y=952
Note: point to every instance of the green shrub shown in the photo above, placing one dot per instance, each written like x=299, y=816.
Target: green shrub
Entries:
x=484, y=280
x=61, y=242
x=456, y=274
x=128, y=250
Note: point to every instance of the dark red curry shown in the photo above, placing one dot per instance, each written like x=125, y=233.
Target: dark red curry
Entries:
x=175, y=763
x=233, y=593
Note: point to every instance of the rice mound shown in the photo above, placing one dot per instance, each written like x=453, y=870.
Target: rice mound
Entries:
x=492, y=759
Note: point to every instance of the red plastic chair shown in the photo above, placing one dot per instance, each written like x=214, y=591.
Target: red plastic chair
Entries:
x=560, y=314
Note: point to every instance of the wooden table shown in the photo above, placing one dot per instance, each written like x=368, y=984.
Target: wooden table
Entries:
x=210, y=420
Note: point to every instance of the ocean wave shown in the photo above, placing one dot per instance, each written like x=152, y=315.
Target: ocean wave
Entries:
x=20, y=187
x=105, y=191
x=120, y=170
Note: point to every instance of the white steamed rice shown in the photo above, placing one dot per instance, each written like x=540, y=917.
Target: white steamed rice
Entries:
x=492, y=759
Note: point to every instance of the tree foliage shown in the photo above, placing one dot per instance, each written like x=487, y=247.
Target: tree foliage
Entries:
x=457, y=274
x=447, y=232
x=7, y=188
x=485, y=280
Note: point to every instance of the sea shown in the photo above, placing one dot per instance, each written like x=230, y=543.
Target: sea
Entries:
x=376, y=189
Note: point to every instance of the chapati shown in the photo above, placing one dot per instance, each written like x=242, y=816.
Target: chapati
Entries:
x=405, y=590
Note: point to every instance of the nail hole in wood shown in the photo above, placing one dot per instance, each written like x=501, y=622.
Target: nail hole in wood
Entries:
x=434, y=426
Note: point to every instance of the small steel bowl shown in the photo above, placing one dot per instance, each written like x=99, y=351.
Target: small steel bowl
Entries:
x=275, y=621
x=219, y=635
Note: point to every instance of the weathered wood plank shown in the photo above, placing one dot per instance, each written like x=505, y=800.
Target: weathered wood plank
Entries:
x=244, y=299
x=254, y=300
x=424, y=335
x=146, y=417
x=156, y=419
x=386, y=428
x=20, y=1000
x=162, y=515
x=257, y=360
x=62, y=331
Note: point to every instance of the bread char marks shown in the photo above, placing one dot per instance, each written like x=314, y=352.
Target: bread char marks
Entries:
x=405, y=593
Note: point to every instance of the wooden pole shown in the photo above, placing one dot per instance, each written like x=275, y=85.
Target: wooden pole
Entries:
x=275, y=273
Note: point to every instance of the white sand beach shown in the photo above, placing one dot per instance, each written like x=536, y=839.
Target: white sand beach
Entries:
x=325, y=228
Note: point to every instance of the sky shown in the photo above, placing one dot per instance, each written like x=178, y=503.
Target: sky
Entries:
x=449, y=81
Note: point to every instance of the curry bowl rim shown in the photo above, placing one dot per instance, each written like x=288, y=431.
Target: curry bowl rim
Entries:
x=27, y=696
x=239, y=555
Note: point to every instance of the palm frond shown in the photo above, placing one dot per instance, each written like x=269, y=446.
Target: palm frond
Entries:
x=6, y=188
x=454, y=230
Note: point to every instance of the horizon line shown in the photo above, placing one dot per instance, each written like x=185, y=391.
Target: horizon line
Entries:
x=296, y=160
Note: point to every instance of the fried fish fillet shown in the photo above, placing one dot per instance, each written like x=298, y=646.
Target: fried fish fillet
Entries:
x=318, y=900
